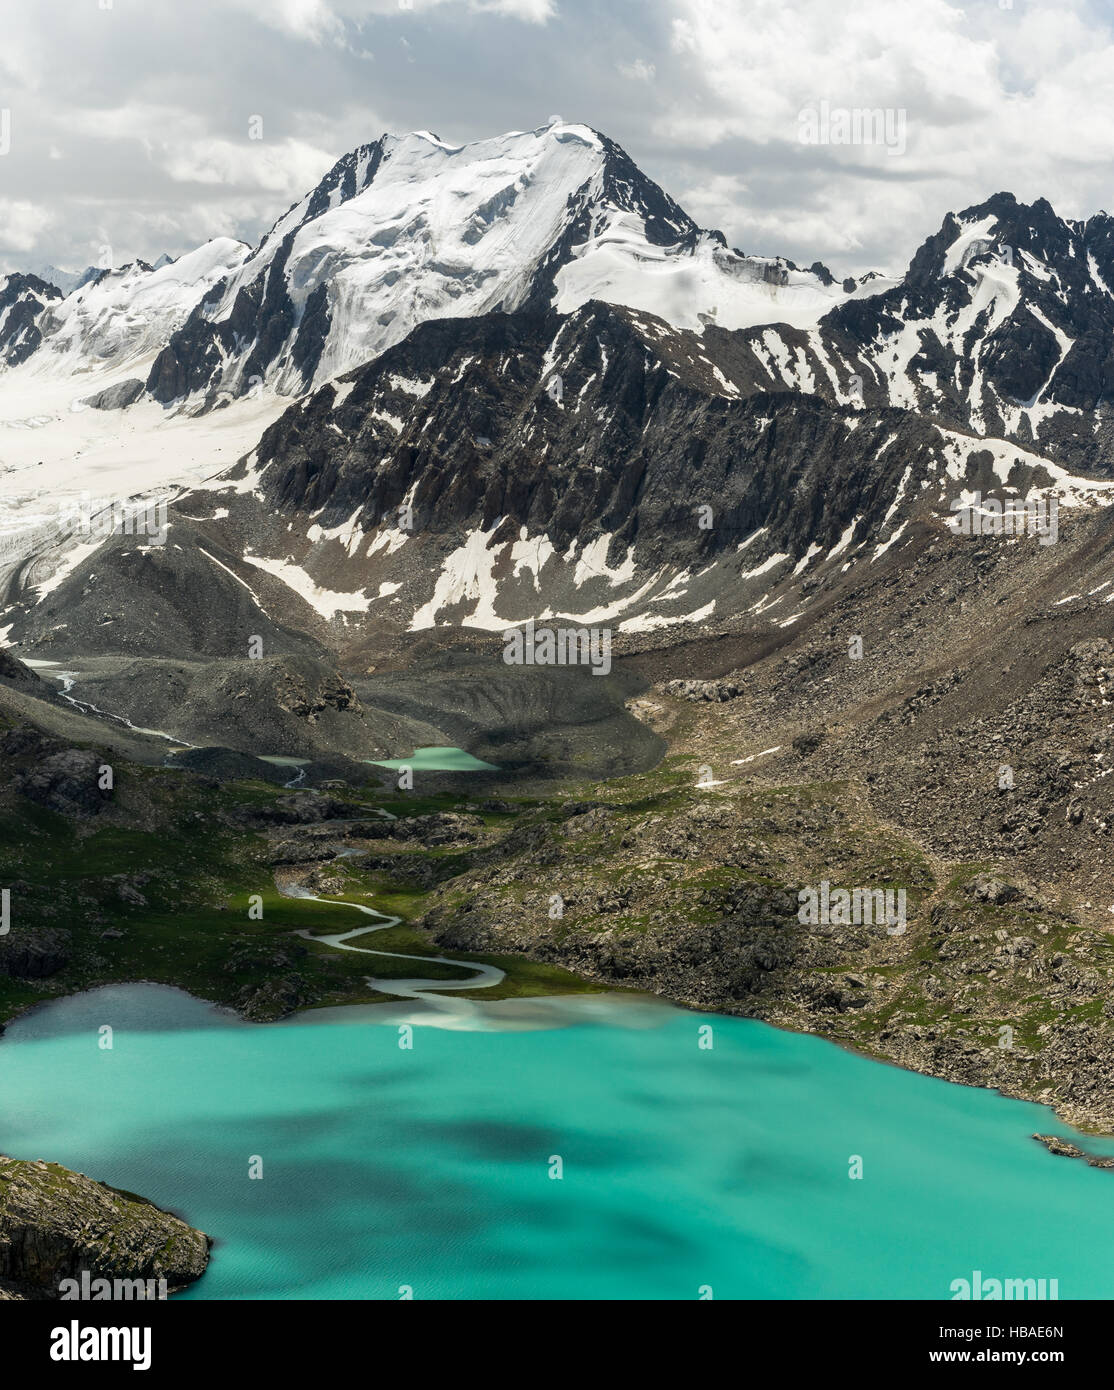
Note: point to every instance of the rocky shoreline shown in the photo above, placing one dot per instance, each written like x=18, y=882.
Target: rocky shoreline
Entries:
x=57, y=1225
x=994, y=984
x=1064, y=1148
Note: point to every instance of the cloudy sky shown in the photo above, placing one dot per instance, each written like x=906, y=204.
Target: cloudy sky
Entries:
x=127, y=123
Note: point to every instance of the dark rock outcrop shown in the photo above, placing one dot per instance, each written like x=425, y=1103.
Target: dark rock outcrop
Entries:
x=1064, y=1148
x=34, y=953
x=23, y=299
x=124, y=393
x=56, y=1224
x=12, y=669
x=67, y=782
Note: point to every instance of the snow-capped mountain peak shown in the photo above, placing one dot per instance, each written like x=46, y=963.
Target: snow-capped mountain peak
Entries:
x=406, y=229
x=412, y=228
x=128, y=312
x=999, y=326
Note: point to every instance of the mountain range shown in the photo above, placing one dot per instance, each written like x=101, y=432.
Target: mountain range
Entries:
x=456, y=389
x=532, y=354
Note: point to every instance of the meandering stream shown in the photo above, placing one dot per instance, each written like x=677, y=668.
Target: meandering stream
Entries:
x=418, y=988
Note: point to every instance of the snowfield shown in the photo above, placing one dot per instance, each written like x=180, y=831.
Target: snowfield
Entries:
x=54, y=452
x=130, y=312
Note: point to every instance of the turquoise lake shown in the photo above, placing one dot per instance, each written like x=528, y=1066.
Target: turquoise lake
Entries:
x=386, y=1169
x=438, y=760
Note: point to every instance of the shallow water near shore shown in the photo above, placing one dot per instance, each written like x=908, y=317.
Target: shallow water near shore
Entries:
x=685, y=1169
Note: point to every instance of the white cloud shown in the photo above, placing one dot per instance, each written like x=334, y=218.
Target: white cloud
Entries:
x=319, y=20
x=530, y=11
x=533, y=11
x=302, y=19
x=992, y=99
x=148, y=108
x=22, y=224
x=763, y=63
x=289, y=167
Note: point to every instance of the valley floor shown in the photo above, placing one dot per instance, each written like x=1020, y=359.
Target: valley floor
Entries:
x=682, y=881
